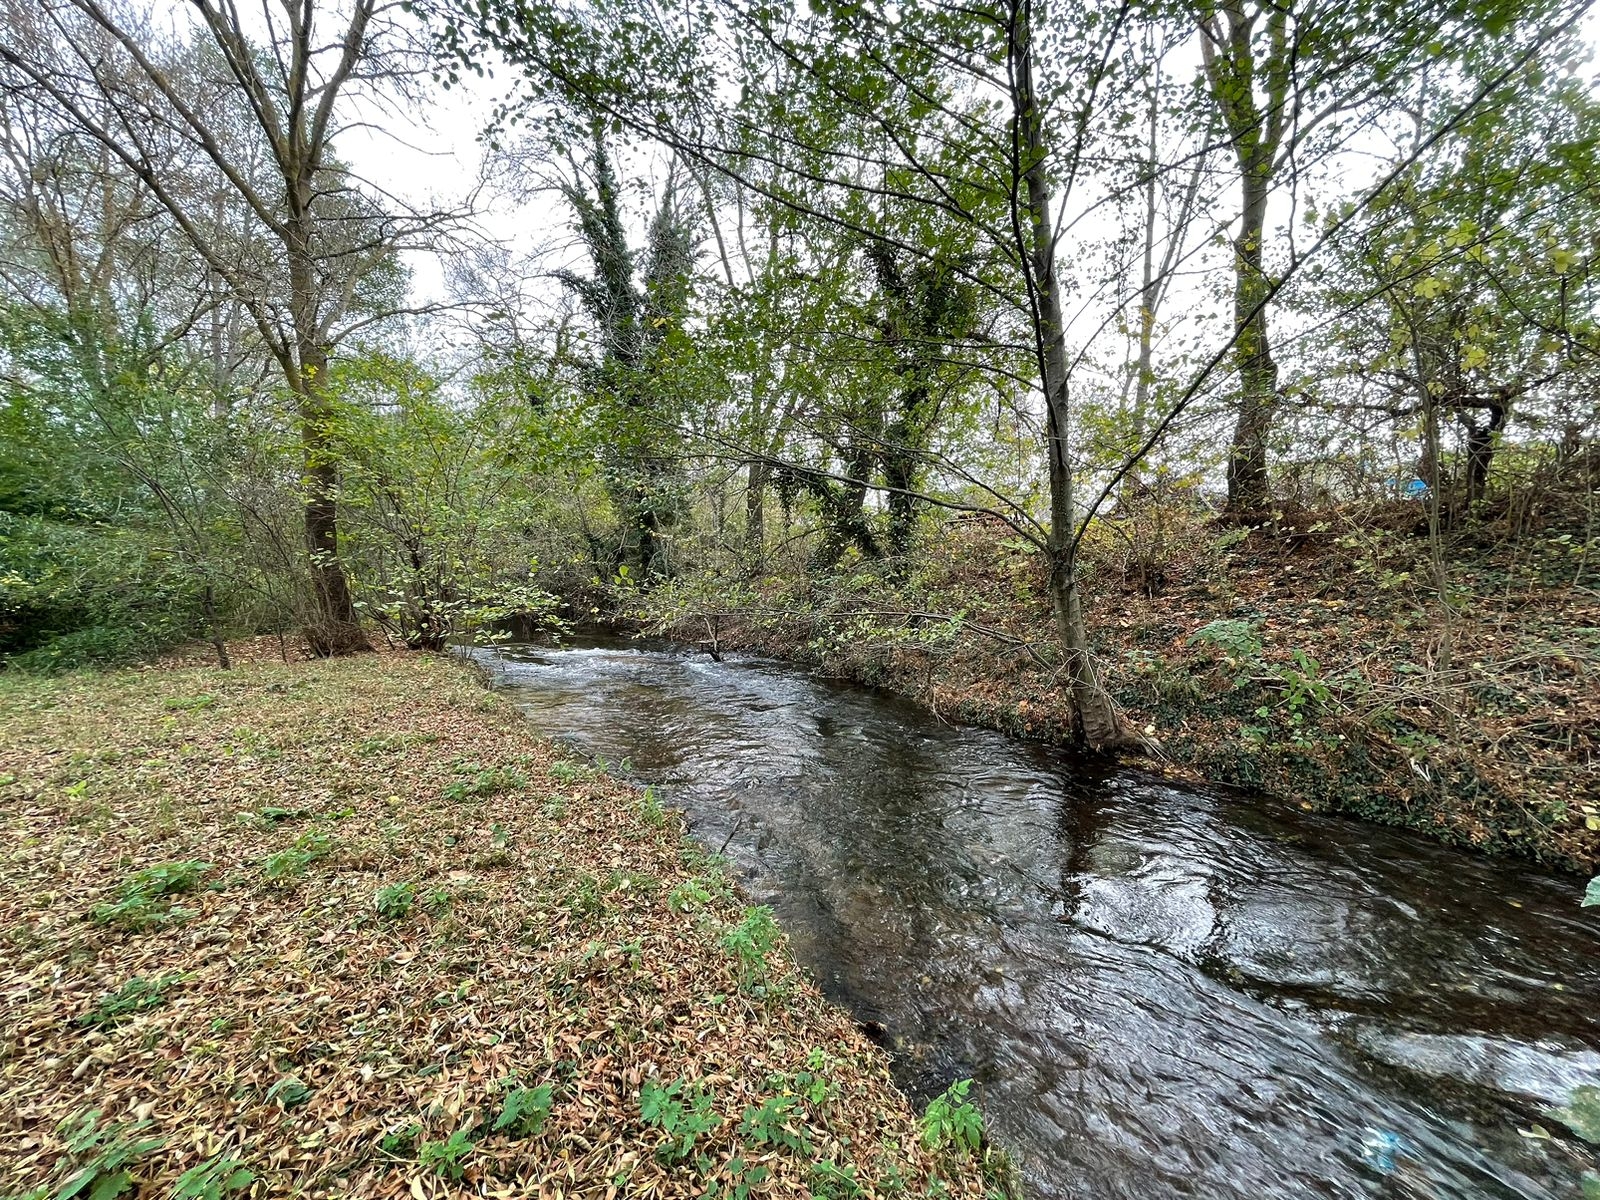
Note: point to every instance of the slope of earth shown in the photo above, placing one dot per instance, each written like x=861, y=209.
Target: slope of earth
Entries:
x=346, y=928
x=1317, y=663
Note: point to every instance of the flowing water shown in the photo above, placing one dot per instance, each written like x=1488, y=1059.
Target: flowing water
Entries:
x=1160, y=991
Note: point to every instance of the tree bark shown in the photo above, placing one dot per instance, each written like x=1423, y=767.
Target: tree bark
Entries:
x=1099, y=723
x=1248, y=482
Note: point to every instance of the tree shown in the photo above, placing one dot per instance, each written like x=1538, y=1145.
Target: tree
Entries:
x=261, y=120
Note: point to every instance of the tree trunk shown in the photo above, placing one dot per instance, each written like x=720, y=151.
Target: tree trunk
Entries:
x=334, y=628
x=1098, y=721
x=1248, y=491
x=755, y=513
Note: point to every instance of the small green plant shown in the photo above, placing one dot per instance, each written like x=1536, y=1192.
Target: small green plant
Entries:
x=650, y=808
x=270, y=815
x=447, y=1159
x=566, y=772
x=144, y=899
x=688, y=896
x=292, y=862
x=1581, y=1113
x=98, y=1158
x=750, y=941
x=289, y=1092
x=395, y=901
x=952, y=1121
x=743, y=1178
x=525, y=1111
x=402, y=1142
x=187, y=703
x=830, y=1181
x=136, y=996
x=1239, y=643
x=213, y=1179
x=484, y=783
x=586, y=899
x=777, y=1121
x=681, y=1111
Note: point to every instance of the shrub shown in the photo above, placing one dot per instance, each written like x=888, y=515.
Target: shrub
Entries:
x=525, y=1111
x=394, y=902
x=136, y=996
x=447, y=1159
x=751, y=941
x=952, y=1121
x=681, y=1111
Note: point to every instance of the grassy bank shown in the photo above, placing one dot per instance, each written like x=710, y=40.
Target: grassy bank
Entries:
x=1311, y=663
x=346, y=928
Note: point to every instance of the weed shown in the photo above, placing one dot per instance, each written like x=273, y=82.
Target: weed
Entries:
x=743, y=1179
x=680, y=1110
x=447, y=1159
x=566, y=772
x=271, y=815
x=213, y=1179
x=688, y=896
x=394, y=902
x=136, y=996
x=586, y=898
x=98, y=1158
x=143, y=900
x=750, y=941
x=401, y=1143
x=485, y=783
x=952, y=1121
x=292, y=862
x=525, y=1110
x=187, y=703
x=776, y=1122
x=439, y=901
x=289, y=1092
x=830, y=1181
x=650, y=809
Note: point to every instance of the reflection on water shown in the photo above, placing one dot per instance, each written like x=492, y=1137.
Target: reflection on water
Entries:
x=1159, y=991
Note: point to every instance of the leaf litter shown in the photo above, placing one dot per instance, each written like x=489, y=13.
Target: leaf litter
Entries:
x=395, y=946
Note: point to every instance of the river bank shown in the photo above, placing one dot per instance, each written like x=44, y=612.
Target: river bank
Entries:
x=1303, y=665
x=347, y=927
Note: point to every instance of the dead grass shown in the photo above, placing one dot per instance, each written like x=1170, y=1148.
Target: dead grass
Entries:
x=543, y=925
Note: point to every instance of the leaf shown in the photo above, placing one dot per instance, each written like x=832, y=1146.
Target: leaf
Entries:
x=1591, y=894
x=1581, y=1114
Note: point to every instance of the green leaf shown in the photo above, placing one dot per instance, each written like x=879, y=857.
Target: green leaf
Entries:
x=1591, y=894
x=1582, y=1113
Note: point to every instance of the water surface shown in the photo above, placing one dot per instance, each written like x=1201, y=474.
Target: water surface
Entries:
x=1160, y=991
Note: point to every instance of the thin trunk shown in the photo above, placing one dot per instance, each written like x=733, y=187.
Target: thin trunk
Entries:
x=1248, y=491
x=1099, y=723
x=334, y=628
x=755, y=513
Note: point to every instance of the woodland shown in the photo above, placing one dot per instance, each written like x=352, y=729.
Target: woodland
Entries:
x=1213, y=382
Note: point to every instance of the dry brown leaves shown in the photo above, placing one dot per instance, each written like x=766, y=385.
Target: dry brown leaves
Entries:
x=296, y=1028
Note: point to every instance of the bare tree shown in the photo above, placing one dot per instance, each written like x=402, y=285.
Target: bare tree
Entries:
x=261, y=104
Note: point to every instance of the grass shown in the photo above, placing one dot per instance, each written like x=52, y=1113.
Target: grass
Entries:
x=383, y=984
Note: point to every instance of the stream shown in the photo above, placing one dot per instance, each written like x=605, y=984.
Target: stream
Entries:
x=1160, y=991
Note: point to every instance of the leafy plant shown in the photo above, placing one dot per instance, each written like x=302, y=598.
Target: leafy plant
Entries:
x=447, y=1159
x=952, y=1121
x=213, y=1179
x=525, y=1110
x=99, y=1156
x=143, y=900
x=402, y=1142
x=291, y=863
x=136, y=996
x=289, y=1092
x=687, y=896
x=830, y=1181
x=394, y=902
x=681, y=1111
x=751, y=941
x=1581, y=1113
x=775, y=1122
